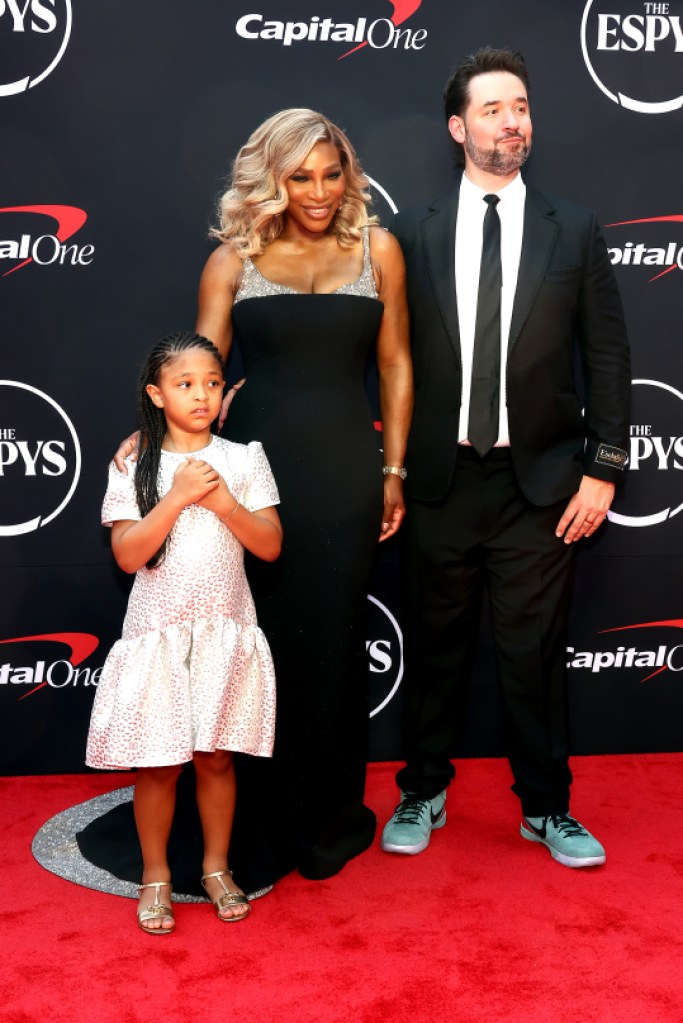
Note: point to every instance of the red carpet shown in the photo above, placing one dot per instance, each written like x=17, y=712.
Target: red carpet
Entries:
x=482, y=928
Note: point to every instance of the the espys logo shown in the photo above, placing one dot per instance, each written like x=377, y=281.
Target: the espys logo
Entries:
x=655, y=488
x=40, y=673
x=658, y=251
x=654, y=658
x=634, y=54
x=385, y=655
x=40, y=458
x=29, y=242
x=378, y=33
x=33, y=37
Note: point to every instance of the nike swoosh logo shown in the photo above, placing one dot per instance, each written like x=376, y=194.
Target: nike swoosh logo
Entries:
x=437, y=816
x=541, y=832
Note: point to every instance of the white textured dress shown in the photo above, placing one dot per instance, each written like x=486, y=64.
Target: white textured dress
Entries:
x=192, y=671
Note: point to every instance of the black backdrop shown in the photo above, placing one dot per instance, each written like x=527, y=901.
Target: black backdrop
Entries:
x=118, y=123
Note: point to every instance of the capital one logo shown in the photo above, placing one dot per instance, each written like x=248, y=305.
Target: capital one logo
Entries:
x=634, y=53
x=33, y=37
x=652, y=657
x=653, y=247
x=378, y=34
x=40, y=458
x=27, y=240
x=654, y=489
x=385, y=655
x=47, y=671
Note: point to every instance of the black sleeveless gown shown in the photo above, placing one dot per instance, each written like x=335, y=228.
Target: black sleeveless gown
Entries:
x=305, y=361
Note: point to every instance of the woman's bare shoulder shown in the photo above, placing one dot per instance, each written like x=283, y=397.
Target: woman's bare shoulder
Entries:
x=221, y=275
x=383, y=243
x=386, y=252
x=224, y=262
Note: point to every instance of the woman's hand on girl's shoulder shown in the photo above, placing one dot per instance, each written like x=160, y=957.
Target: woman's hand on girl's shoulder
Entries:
x=127, y=447
x=227, y=401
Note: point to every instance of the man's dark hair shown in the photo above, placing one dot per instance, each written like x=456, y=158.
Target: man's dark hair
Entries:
x=456, y=95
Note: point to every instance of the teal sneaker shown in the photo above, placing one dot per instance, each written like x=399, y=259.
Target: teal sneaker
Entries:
x=412, y=822
x=568, y=841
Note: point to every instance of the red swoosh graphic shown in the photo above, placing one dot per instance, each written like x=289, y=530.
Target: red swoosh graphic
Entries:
x=81, y=644
x=675, y=218
x=673, y=623
x=403, y=9
x=665, y=667
x=674, y=266
x=69, y=219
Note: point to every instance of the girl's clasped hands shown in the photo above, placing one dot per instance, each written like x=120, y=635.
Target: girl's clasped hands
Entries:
x=193, y=482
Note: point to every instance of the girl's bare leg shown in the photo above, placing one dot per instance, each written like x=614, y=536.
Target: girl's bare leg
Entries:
x=216, y=801
x=153, y=805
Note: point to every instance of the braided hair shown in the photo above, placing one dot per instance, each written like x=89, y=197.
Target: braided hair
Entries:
x=152, y=422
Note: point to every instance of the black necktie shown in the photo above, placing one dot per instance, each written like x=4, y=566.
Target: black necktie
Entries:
x=482, y=430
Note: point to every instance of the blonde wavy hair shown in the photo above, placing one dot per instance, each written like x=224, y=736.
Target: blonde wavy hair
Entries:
x=251, y=212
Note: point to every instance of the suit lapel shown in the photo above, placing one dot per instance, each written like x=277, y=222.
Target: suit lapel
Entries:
x=438, y=239
x=540, y=235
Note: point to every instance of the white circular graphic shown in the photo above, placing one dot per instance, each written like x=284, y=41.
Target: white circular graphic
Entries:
x=642, y=35
x=35, y=473
x=33, y=37
x=387, y=652
x=646, y=446
x=383, y=193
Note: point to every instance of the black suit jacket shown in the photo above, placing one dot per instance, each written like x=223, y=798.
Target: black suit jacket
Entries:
x=566, y=302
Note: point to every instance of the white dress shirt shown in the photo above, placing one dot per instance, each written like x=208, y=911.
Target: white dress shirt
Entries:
x=468, y=243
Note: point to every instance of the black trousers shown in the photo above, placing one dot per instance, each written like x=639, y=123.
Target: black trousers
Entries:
x=485, y=533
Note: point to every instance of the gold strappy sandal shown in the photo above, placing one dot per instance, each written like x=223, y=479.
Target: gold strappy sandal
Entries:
x=228, y=898
x=156, y=910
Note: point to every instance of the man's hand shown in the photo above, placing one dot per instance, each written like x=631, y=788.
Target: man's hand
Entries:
x=586, y=510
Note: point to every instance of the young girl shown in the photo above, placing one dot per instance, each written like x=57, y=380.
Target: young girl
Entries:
x=192, y=677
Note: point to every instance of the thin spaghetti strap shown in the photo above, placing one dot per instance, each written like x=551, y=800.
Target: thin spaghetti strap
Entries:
x=247, y=279
x=366, y=280
x=367, y=261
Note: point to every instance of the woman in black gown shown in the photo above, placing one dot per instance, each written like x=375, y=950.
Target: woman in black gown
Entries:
x=310, y=289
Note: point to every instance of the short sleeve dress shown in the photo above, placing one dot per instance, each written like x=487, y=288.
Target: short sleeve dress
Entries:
x=193, y=670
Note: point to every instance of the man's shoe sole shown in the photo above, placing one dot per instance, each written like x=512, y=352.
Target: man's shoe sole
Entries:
x=566, y=861
x=413, y=850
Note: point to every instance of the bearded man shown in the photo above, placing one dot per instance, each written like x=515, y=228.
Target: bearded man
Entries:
x=512, y=459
